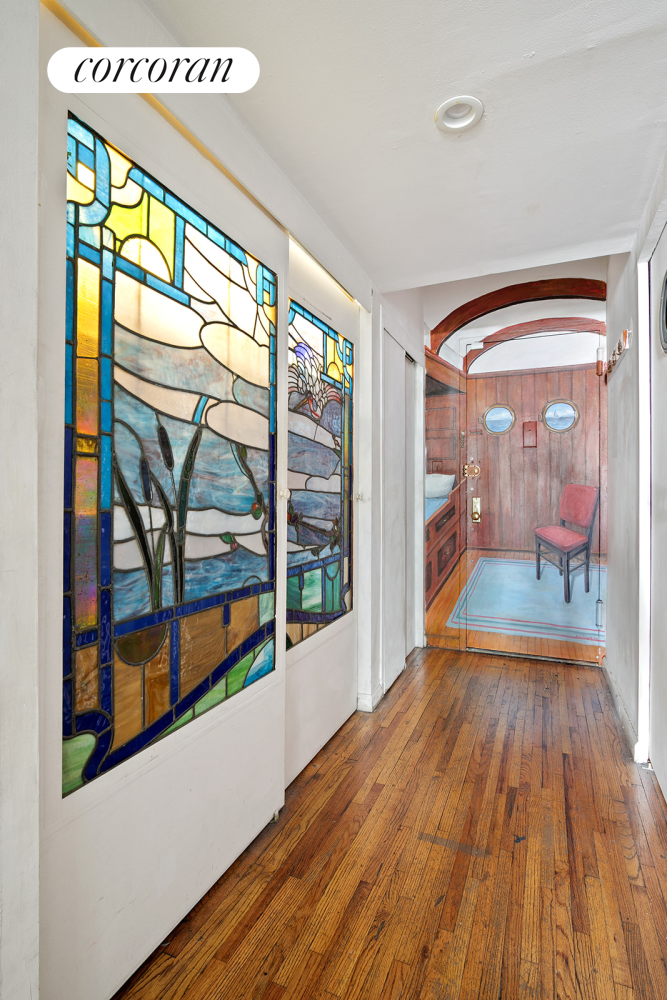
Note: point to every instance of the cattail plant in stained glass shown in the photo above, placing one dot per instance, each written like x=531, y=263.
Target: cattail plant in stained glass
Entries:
x=319, y=461
x=169, y=526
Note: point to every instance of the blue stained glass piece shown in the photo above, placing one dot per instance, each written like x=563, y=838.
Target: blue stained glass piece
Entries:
x=174, y=662
x=162, y=286
x=106, y=417
x=69, y=313
x=86, y=638
x=147, y=183
x=99, y=753
x=270, y=287
x=226, y=614
x=177, y=206
x=291, y=315
x=130, y=268
x=107, y=264
x=259, y=287
x=272, y=369
x=200, y=409
x=105, y=626
x=67, y=534
x=105, y=550
x=106, y=377
x=67, y=708
x=87, y=157
x=105, y=472
x=262, y=665
x=67, y=637
x=102, y=173
x=106, y=698
x=71, y=212
x=235, y=251
x=92, y=255
x=178, y=252
x=155, y=618
x=70, y=239
x=71, y=155
x=90, y=235
x=68, y=383
x=91, y=720
x=216, y=237
x=106, y=345
x=80, y=133
x=68, y=467
x=93, y=214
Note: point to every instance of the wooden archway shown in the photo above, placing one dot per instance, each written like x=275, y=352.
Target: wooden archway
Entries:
x=527, y=291
x=569, y=324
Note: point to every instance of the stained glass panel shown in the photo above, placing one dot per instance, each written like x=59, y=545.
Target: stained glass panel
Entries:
x=169, y=528
x=319, y=461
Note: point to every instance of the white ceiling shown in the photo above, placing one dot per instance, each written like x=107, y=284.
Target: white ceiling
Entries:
x=559, y=168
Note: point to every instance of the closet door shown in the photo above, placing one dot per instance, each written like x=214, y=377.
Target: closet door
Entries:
x=321, y=625
x=394, y=511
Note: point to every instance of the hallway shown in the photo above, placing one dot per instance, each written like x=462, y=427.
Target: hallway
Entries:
x=484, y=833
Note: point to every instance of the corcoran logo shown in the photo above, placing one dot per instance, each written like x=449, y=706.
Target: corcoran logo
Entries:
x=123, y=70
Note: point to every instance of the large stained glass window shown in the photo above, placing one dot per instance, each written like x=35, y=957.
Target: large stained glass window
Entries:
x=319, y=460
x=169, y=528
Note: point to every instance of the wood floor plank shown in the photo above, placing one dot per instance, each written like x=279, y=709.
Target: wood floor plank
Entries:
x=484, y=834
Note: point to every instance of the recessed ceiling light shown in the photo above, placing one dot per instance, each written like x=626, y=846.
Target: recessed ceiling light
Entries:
x=459, y=113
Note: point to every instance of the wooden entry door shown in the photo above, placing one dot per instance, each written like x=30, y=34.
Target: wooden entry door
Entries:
x=528, y=434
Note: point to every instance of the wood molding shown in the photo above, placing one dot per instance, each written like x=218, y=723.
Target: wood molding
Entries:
x=527, y=291
x=568, y=324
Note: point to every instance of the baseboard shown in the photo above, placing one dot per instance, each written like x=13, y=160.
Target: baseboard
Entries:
x=621, y=710
x=369, y=702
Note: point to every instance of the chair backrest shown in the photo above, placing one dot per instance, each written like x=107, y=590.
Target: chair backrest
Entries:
x=578, y=504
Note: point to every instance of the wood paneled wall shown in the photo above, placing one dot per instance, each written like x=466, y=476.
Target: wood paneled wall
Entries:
x=521, y=487
x=445, y=388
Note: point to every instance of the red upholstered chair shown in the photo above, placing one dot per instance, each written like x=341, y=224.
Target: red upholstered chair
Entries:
x=563, y=547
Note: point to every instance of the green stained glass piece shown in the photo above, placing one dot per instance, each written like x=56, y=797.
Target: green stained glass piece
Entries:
x=212, y=697
x=237, y=674
x=293, y=593
x=75, y=757
x=179, y=722
x=311, y=595
x=266, y=606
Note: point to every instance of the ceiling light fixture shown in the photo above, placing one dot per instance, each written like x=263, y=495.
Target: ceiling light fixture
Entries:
x=459, y=113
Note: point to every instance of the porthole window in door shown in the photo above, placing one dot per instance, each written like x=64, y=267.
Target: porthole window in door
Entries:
x=561, y=415
x=499, y=419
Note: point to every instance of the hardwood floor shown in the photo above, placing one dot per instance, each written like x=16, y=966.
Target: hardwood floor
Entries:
x=441, y=635
x=485, y=833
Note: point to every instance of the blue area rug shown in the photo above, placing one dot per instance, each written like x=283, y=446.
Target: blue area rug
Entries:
x=503, y=595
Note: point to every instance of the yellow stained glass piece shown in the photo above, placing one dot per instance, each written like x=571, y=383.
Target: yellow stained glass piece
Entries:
x=85, y=175
x=120, y=166
x=129, y=221
x=145, y=254
x=86, y=396
x=88, y=309
x=162, y=223
x=86, y=446
x=77, y=192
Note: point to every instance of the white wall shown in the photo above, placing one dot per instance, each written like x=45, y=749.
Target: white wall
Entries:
x=19, y=800
x=321, y=677
x=622, y=613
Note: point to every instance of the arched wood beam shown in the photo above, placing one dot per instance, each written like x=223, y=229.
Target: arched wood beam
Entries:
x=568, y=324
x=527, y=291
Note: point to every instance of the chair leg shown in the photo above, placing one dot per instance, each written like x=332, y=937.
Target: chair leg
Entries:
x=566, y=582
x=537, y=559
x=586, y=571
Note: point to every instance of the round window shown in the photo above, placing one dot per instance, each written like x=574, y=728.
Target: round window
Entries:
x=499, y=419
x=561, y=415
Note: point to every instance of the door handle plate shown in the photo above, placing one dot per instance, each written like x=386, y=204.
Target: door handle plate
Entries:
x=471, y=471
x=476, y=515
